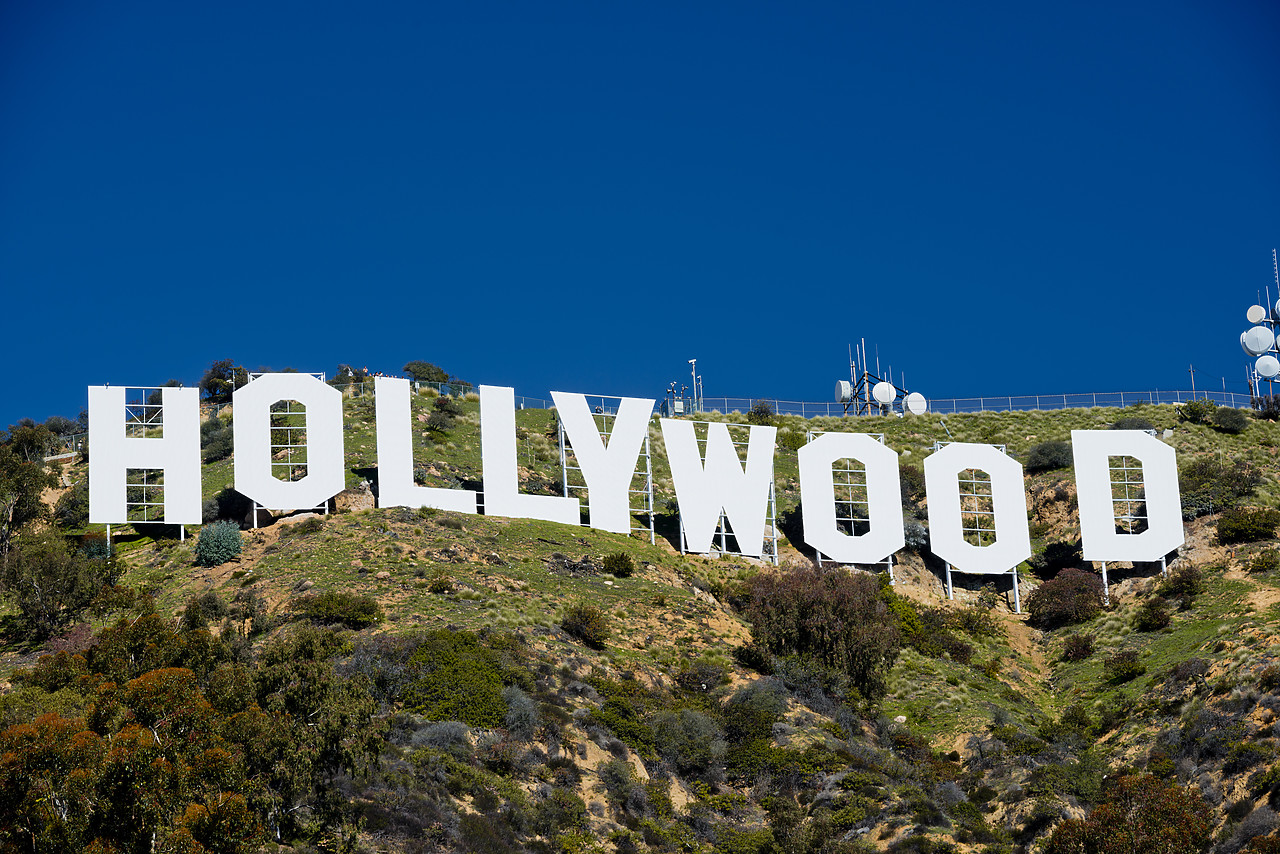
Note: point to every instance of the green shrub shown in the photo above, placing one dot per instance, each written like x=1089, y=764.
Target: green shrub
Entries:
x=1152, y=615
x=1048, y=456
x=1124, y=666
x=1077, y=647
x=1230, y=420
x=1247, y=525
x=1132, y=423
x=218, y=543
x=50, y=582
x=1197, y=411
x=1073, y=596
x=761, y=413
x=217, y=439
x=72, y=509
x=1209, y=485
x=1267, y=560
x=456, y=677
x=1056, y=557
x=349, y=609
x=689, y=740
x=226, y=504
x=792, y=440
x=587, y=623
x=1183, y=584
x=1267, y=407
x=620, y=564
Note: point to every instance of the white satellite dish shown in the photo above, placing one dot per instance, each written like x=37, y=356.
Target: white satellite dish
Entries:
x=1258, y=340
x=1275, y=311
x=1268, y=367
x=844, y=391
x=916, y=404
x=884, y=393
x=1256, y=313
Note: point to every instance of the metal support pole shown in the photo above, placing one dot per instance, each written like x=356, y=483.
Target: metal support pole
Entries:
x=1164, y=569
x=108, y=541
x=1017, y=599
x=888, y=562
x=950, y=592
x=1106, y=588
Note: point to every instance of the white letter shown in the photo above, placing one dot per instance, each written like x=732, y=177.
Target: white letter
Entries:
x=178, y=453
x=607, y=469
x=502, y=496
x=1092, y=450
x=251, y=414
x=818, y=498
x=395, y=455
x=703, y=492
x=1008, y=501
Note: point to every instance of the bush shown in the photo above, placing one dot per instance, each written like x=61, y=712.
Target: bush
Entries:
x=620, y=564
x=1124, y=666
x=1230, y=420
x=1265, y=561
x=1267, y=407
x=1247, y=525
x=227, y=504
x=456, y=677
x=587, y=623
x=689, y=740
x=1073, y=596
x=1209, y=485
x=72, y=509
x=50, y=582
x=1152, y=616
x=217, y=439
x=1056, y=557
x=1183, y=584
x=521, y=719
x=761, y=413
x=1197, y=411
x=835, y=618
x=1077, y=647
x=218, y=543
x=349, y=609
x=1048, y=456
x=1132, y=423
x=1138, y=814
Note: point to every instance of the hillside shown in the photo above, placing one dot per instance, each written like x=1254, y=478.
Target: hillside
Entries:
x=398, y=680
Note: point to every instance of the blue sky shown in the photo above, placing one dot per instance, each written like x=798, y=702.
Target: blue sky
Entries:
x=1003, y=198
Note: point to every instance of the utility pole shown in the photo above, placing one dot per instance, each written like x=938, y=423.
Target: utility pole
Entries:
x=1191, y=369
x=693, y=370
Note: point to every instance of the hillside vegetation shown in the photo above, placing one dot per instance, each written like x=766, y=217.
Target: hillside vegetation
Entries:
x=398, y=680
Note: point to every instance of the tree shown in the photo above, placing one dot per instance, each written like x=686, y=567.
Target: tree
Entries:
x=30, y=441
x=21, y=482
x=222, y=378
x=52, y=583
x=425, y=372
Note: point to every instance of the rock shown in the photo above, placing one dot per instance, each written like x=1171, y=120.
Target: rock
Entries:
x=383, y=576
x=357, y=563
x=900, y=719
x=356, y=498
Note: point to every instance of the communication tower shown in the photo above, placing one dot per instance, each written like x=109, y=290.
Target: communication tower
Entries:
x=869, y=393
x=1259, y=341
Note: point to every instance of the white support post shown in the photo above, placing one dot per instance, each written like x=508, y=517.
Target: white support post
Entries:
x=950, y=592
x=1106, y=588
x=1164, y=569
x=888, y=562
x=1017, y=599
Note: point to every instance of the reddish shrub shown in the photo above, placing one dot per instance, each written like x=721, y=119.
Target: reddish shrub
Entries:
x=1073, y=596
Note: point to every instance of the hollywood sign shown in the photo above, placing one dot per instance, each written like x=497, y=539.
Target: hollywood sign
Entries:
x=707, y=484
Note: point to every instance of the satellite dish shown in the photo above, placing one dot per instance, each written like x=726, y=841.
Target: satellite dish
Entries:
x=1258, y=340
x=884, y=393
x=1275, y=311
x=1256, y=313
x=916, y=404
x=1268, y=367
x=844, y=391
